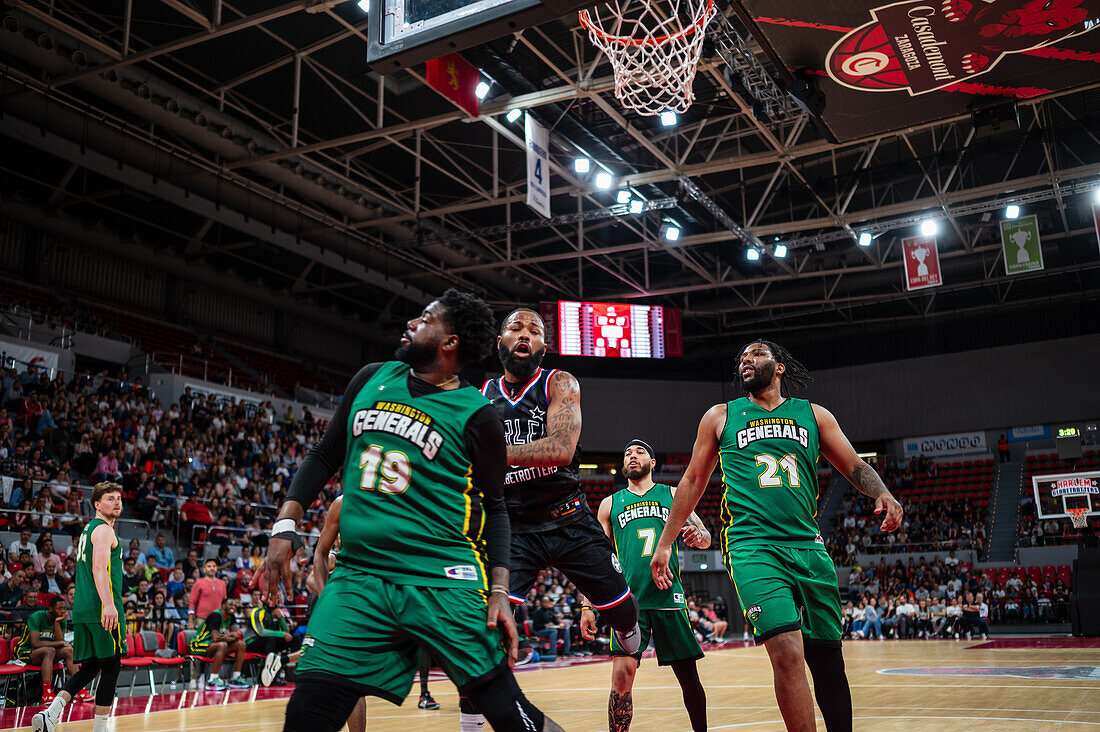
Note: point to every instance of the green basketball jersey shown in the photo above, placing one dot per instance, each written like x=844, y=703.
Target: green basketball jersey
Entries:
x=38, y=620
x=637, y=523
x=411, y=512
x=87, y=607
x=769, y=472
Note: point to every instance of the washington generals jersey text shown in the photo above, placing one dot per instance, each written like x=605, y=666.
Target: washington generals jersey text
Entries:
x=533, y=493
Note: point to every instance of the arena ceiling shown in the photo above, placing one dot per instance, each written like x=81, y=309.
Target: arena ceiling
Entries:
x=241, y=137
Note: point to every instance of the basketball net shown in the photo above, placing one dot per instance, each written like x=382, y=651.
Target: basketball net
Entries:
x=1079, y=517
x=653, y=47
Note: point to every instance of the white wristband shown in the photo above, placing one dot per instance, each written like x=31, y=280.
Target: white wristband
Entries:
x=284, y=525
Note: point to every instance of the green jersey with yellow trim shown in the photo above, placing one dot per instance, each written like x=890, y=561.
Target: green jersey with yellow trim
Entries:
x=769, y=474
x=87, y=607
x=412, y=514
x=636, y=524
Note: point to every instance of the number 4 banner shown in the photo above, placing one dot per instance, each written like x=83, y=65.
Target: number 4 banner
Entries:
x=538, y=166
x=1020, y=242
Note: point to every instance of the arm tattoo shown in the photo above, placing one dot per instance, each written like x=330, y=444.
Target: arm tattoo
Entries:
x=866, y=480
x=697, y=522
x=562, y=430
x=620, y=710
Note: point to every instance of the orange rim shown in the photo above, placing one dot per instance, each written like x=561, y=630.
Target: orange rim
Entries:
x=586, y=21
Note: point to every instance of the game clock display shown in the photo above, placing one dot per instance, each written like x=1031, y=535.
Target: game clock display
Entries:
x=616, y=330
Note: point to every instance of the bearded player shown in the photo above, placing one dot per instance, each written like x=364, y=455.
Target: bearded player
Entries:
x=424, y=533
x=552, y=525
x=633, y=518
x=99, y=641
x=769, y=444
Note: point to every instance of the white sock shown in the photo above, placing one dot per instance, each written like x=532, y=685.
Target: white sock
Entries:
x=56, y=707
x=470, y=722
x=236, y=674
x=100, y=723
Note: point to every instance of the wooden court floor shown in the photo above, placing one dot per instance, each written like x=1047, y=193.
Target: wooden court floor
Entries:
x=896, y=685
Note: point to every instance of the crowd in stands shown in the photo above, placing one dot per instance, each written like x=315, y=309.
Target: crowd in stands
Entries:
x=550, y=619
x=945, y=597
x=946, y=523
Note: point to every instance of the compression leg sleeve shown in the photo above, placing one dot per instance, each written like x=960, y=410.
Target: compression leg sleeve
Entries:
x=83, y=677
x=499, y=698
x=695, y=699
x=834, y=698
x=109, y=669
x=425, y=669
x=319, y=706
x=624, y=616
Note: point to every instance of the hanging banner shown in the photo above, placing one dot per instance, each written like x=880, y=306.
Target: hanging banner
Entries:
x=958, y=443
x=455, y=78
x=922, y=262
x=1020, y=244
x=538, y=165
x=21, y=356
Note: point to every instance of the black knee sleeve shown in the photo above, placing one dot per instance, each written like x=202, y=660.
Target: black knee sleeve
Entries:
x=466, y=705
x=834, y=698
x=498, y=697
x=83, y=677
x=109, y=669
x=623, y=616
x=319, y=705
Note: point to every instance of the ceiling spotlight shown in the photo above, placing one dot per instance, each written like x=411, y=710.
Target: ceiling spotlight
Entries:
x=668, y=119
x=636, y=206
x=603, y=180
x=928, y=227
x=752, y=254
x=513, y=115
x=1096, y=195
x=364, y=5
x=1012, y=211
x=672, y=232
x=780, y=251
x=865, y=239
x=623, y=196
x=481, y=90
x=582, y=165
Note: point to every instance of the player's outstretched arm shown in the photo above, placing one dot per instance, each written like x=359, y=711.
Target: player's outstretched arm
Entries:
x=838, y=450
x=563, y=427
x=704, y=456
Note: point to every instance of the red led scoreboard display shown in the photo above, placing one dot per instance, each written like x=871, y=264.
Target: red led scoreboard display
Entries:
x=613, y=330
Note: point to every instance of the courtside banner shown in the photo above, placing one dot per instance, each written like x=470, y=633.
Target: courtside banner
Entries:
x=922, y=262
x=873, y=65
x=538, y=165
x=958, y=443
x=1020, y=244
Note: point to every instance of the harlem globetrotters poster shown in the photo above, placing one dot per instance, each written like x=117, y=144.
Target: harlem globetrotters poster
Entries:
x=884, y=66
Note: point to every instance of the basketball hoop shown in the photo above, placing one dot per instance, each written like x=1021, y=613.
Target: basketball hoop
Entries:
x=1079, y=517
x=654, y=51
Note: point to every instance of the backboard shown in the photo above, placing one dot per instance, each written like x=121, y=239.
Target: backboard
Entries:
x=407, y=32
x=1057, y=495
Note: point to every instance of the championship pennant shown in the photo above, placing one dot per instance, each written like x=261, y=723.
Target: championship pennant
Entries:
x=455, y=78
x=922, y=262
x=1020, y=245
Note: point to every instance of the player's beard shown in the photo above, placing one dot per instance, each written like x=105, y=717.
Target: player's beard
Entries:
x=417, y=354
x=637, y=473
x=522, y=368
x=761, y=378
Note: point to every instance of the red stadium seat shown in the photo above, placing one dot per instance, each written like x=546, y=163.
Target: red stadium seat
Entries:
x=135, y=659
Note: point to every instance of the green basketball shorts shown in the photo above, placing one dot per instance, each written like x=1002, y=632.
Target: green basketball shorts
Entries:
x=90, y=640
x=672, y=637
x=368, y=631
x=785, y=588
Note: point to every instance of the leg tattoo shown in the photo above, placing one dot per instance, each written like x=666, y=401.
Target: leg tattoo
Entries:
x=620, y=710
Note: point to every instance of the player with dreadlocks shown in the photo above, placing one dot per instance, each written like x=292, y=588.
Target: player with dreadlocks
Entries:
x=768, y=443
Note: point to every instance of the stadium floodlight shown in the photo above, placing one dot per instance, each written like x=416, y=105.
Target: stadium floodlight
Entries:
x=582, y=165
x=928, y=227
x=364, y=5
x=623, y=196
x=481, y=90
x=1012, y=211
x=603, y=180
x=1096, y=195
x=780, y=251
x=668, y=118
x=636, y=206
x=671, y=232
x=752, y=254
x=865, y=239
x=513, y=115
